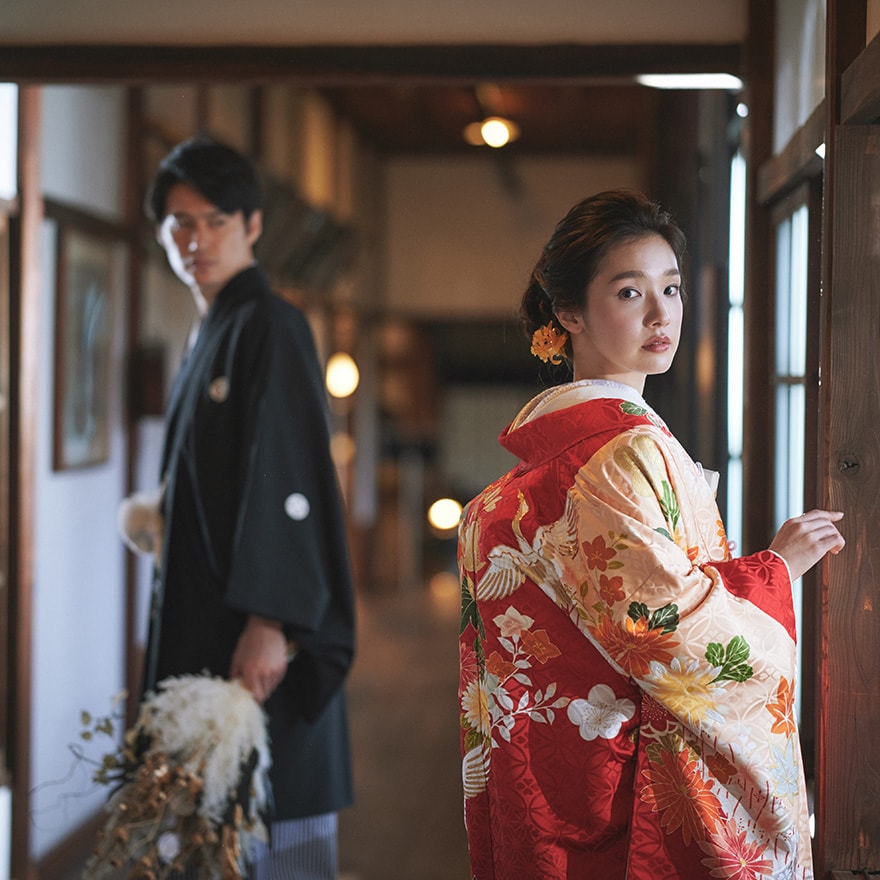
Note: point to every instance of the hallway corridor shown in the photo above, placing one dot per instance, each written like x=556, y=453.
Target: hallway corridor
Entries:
x=407, y=820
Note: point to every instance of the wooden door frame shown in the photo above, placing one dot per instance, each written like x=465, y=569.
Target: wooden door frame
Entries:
x=847, y=785
x=6, y=212
x=24, y=327
x=847, y=690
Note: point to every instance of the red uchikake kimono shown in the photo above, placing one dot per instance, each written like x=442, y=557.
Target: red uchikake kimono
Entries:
x=627, y=689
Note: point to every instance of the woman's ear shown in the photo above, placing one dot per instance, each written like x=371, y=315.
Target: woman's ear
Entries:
x=571, y=320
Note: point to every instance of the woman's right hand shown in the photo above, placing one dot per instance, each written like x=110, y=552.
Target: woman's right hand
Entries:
x=803, y=540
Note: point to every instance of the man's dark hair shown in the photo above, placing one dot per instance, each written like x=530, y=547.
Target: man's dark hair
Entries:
x=220, y=174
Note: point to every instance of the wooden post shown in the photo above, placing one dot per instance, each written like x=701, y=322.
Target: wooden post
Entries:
x=758, y=307
x=25, y=331
x=849, y=673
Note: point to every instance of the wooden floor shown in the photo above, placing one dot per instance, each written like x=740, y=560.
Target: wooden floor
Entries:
x=406, y=823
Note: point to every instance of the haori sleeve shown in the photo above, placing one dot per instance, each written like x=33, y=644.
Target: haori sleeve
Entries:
x=643, y=556
x=289, y=559
x=644, y=560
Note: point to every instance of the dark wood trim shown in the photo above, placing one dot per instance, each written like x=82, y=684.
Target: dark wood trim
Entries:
x=812, y=638
x=63, y=860
x=844, y=42
x=25, y=323
x=849, y=672
x=758, y=307
x=134, y=199
x=5, y=499
x=797, y=162
x=357, y=65
x=85, y=221
x=203, y=109
x=860, y=87
x=808, y=193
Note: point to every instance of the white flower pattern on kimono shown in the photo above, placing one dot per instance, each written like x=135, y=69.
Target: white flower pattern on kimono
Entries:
x=601, y=714
x=786, y=772
x=512, y=623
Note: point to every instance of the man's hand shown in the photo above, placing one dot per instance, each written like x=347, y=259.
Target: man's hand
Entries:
x=260, y=657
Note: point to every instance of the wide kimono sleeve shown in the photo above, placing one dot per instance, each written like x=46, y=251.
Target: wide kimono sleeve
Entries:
x=288, y=560
x=642, y=562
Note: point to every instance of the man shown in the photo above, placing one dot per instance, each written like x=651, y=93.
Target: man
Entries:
x=253, y=581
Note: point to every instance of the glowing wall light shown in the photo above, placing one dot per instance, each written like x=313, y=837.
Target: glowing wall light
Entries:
x=342, y=376
x=444, y=514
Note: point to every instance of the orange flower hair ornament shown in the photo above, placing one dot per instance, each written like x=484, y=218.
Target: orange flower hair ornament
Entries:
x=548, y=343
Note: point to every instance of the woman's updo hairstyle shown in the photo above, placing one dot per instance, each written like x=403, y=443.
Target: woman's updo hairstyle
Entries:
x=571, y=258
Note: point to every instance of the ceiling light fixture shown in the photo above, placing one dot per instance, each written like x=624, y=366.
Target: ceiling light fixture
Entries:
x=493, y=131
x=724, y=81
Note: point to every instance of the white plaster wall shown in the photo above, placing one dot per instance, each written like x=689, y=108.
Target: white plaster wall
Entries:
x=800, y=65
x=460, y=243
x=84, y=147
x=8, y=139
x=78, y=600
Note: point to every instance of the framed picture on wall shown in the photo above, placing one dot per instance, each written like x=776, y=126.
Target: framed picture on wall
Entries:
x=83, y=332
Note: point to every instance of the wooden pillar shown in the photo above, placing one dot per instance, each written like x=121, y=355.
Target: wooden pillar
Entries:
x=25, y=321
x=847, y=781
x=849, y=666
x=758, y=305
x=135, y=392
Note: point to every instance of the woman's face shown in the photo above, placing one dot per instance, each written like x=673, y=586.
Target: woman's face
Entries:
x=631, y=323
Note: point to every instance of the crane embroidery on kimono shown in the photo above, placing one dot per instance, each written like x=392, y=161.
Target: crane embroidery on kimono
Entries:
x=510, y=567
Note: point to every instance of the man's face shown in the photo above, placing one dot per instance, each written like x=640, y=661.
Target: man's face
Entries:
x=205, y=246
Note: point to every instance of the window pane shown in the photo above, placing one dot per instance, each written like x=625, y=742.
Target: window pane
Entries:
x=797, y=309
x=796, y=463
x=735, y=349
x=783, y=448
x=783, y=295
x=736, y=278
x=733, y=519
x=735, y=391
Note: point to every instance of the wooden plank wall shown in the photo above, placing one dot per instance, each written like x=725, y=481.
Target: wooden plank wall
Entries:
x=849, y=815
x=848, y=765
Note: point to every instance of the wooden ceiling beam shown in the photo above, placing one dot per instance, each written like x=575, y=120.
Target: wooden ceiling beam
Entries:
x=358, y=65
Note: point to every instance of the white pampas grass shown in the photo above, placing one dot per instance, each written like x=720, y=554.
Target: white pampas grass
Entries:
x=191, y=791
x=211, y=726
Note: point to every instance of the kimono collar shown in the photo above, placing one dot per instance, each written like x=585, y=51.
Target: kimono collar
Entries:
x=248, y=284
x=532, y=436
x=562, y=396
x=245, y=285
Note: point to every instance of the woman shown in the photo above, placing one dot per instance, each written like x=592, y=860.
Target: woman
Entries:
x=626, y=687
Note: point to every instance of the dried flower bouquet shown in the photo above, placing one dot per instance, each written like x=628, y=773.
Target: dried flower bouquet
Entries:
x=190, y=784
